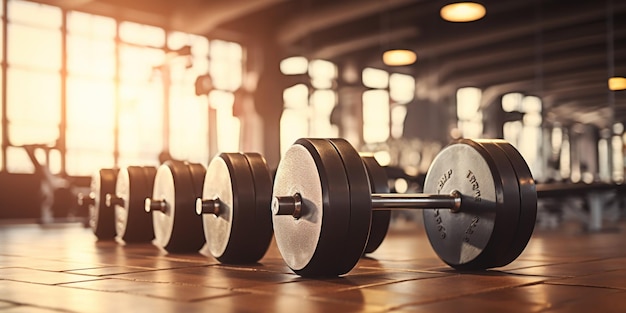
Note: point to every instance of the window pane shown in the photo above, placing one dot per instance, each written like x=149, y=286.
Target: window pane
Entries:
x=296, y=97
x=375, y=78
x=90, y=25
x=34, y=47
x=85, y=162
x=401, y=88
x=18, y=161
x=188, y=129
x=375, y=116
x=33, y=106
x=139, y=64
x=90, y=124
x=294, y=65
x=91, y=57
x=293, y=125
x=512, y=102
x=32, y=13
x=322, y=104
x=140, y=34
x=141, y=124
x=226, y=65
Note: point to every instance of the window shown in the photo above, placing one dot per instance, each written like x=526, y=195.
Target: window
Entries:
x=33, y=79
x=143, y=71
x=375, y=116
x=294, y=123
x=308, y=107
x=127, y=87
x=91, y=93
x=526, y=134
x=468, y=112
x=225, y=68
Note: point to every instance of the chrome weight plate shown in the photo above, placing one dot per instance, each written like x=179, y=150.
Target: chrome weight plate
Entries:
x=176, y=227
x=102, y=217
x=528, y=200
x=360, y=203
x=228, y=234
x=312, y=243
x=380, y=219
x=468, y=239
x=133, y=186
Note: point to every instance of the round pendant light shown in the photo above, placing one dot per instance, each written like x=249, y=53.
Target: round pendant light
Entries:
x=617, y=83
x=463, y=12
x=399, y=57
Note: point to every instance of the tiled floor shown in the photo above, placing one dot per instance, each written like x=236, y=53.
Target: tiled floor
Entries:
x=61, y=268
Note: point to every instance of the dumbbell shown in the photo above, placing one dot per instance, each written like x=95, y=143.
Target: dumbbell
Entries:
x=235, y=206
x=101, y=216
x=177, y=185
x=480, y=205
x=134, y=184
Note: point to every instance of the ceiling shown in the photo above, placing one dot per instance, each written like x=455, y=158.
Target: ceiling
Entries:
x=563, y=51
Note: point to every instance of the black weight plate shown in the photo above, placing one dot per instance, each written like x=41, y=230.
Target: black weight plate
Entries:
x=263, y=228
x=312, y=244
x=194, y=234
x=507, y=220
x=133, y=224
x=102, y=217
x=528, y=200
x=380, y=219
x=178, y=229
x=360, y=203
x=468, y=239
x=229, y=234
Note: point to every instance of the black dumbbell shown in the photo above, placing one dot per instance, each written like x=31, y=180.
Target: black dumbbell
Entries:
x=480, y=199
x=235, y=206
x=134, y=184
x=177, y=185
x=101, y=216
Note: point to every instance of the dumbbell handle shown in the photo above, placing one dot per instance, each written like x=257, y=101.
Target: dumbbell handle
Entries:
x=86, y=200
x=208, y=206
x=113, y=200
x=293, y=205
x=151, y=205
x=389, y=201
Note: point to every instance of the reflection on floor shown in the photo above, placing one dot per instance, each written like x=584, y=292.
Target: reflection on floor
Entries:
x=62, y=268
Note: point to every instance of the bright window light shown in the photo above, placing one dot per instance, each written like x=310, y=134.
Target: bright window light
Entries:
x=375, y=78
x=294, y=65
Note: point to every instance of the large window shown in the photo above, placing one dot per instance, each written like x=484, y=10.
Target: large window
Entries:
x=102, y=93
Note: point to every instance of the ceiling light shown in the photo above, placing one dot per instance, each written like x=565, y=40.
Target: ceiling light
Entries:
x=399, y=57
x=617, y=83
x=463, y=12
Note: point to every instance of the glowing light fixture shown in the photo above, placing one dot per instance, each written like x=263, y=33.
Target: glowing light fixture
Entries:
x=399, y=57
x=463, y=12
x=617, y=83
